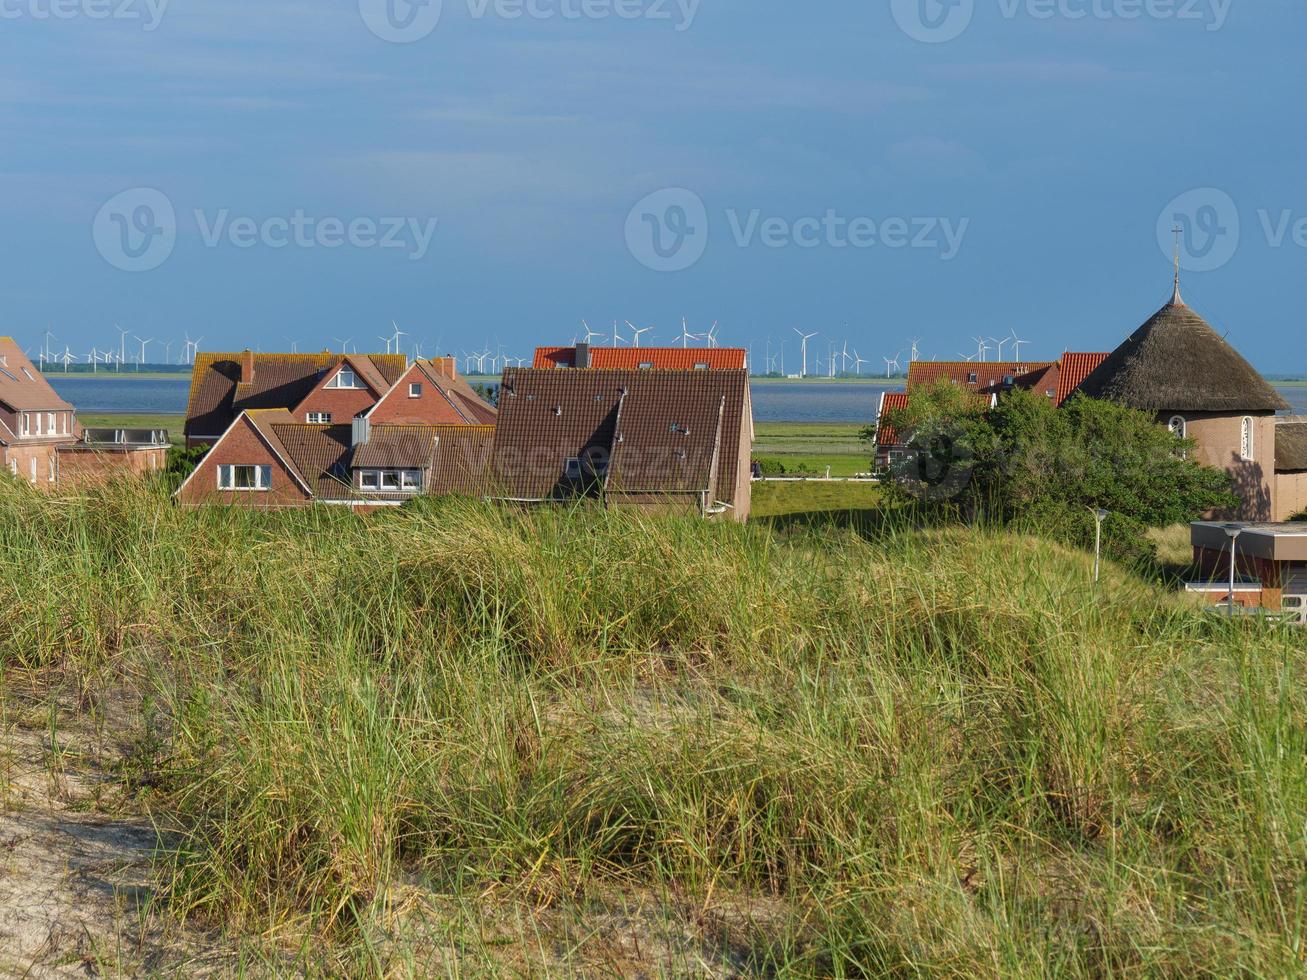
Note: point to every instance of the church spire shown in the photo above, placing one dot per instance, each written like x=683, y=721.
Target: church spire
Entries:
x=1176, y=298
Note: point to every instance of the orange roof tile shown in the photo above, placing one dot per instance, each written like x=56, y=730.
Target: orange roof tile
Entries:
x=1075, y=368
x=634, y=358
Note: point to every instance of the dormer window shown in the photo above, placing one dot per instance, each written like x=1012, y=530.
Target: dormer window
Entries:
x=701, y=366
x=345, y=378
x=646, y=365
x=972, y=377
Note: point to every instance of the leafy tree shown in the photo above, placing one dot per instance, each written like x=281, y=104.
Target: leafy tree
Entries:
x=1026, y=463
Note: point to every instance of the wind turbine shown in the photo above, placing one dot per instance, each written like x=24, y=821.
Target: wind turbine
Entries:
x=686, y=336
x=1017, y=342
x=916, y=354
x=45, y=350
x=67, y=356
x=1000, y=344
x=294, y=344
x=395, y=336
x=345, y=342
x=93, y=359
x=858, y=361
x=617, y=338
x=589, y=334
x=981, y=348
x=636, y=332
x=122, y=344
x=967, y=357
x=386, y=341
x=804, y=338
x=711, y=336
x=141, y=359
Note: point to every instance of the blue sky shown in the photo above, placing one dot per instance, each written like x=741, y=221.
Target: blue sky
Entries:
x=1032, y=160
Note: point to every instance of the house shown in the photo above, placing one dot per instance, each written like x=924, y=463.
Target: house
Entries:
x=1270, y=565
x=316, y=389
x=658, y=440
x=642, y=358
x=42, y=443
x=1180, y=370
x=432, y=393
x=268, y=459
x=988, y=380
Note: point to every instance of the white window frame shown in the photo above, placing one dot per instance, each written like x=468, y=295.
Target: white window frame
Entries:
x=415, y=389
x=27, y=424
x=338, y=380
x=390, y=481
x=1179, y=426
x=1248, y=439
x=32, y=467
x=262, y=478
x=52, y=463
x=318, y=418
x=50, y=427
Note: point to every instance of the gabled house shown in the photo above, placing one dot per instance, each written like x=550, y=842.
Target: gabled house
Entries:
x=42, y=443
x=660, y=440
x=432, y=392
x=642, y=358
x=324, y=388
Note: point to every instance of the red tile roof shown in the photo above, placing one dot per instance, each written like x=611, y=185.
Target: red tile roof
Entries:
x=1075, y=368
x=990, y=376
x=889, y=401
x=658, y=358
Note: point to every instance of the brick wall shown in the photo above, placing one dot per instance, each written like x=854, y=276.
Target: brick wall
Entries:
x=81, y=466
x=242, y=445
x=429, y=408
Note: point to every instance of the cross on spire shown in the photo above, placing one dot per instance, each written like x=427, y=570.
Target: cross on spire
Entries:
x=1176, y=299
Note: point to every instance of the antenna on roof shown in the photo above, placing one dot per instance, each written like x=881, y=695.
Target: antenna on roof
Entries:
x=1176, y=299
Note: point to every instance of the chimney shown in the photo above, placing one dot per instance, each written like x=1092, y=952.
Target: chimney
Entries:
x=362, y=431
x=247, y=367
x=446, y=366
x=582, y=358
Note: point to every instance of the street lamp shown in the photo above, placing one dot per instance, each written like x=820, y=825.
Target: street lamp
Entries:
x=1100, y=515
x=1232, y=531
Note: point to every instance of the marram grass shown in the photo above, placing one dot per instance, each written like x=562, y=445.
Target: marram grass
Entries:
x=456, y=738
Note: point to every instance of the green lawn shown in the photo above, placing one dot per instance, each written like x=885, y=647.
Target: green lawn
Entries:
x=772, y=499
x=815, y=445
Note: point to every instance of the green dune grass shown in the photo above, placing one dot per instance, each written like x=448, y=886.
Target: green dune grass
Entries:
x=457, y=739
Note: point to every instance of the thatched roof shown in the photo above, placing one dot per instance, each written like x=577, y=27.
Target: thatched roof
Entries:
x=1291, y=445
x=1176, y=362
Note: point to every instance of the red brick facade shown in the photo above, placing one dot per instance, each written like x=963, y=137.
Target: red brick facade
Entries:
x=242, y=445
x=431, y=407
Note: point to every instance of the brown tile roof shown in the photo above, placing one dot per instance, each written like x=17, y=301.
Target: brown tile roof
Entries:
x=630, y=358
x=548, y=416
x=1075, y=368
x=461, y=461
x=22, y=387
x=397, y=447
x=470, y=405
x=320, y=453
x=280, y=381
x=666, y=445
